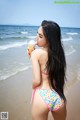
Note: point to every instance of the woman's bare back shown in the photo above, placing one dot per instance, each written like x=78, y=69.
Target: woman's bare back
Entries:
x=42, y=61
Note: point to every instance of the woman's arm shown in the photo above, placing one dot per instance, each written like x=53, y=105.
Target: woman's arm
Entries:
x=36, y=69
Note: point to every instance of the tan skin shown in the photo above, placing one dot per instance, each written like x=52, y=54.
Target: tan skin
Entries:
x=39, y=58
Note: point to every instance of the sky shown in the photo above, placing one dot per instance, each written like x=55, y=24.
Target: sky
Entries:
x=32, y=12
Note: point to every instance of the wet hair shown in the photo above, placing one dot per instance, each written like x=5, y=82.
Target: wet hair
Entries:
x=56, y=64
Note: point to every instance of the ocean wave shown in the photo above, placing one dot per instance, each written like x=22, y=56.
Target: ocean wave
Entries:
x=13, y=37
x=4, y=77
x=67, y=39
x=24, y=32
x=17, y=37
x=72, y=33
x=18, y=44
x=31, y=37
x=70, y=51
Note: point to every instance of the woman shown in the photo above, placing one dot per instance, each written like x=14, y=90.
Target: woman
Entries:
x=49, y=67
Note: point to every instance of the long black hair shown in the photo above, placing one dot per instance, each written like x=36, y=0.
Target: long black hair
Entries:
x=56, y=64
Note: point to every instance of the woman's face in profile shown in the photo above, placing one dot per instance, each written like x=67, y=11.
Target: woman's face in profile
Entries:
x=40, y=38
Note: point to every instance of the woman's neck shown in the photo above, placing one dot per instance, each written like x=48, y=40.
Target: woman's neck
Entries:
x=45, y=48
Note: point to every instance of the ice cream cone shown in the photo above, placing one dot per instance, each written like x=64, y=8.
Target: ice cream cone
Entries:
x=31, y=46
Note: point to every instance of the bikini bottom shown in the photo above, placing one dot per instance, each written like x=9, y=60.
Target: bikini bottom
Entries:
x=50, y=97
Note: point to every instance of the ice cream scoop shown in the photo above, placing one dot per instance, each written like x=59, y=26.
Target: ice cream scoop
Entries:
x=31, y=46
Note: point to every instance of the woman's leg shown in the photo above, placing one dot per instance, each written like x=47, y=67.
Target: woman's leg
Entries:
x=39, y=108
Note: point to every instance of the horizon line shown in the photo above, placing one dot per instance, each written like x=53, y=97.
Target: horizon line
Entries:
x=36, y=25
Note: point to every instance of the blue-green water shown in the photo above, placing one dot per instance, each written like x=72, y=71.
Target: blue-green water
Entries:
x=13, y=46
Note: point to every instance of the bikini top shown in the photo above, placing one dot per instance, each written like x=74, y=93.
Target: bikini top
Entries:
x=45, y=73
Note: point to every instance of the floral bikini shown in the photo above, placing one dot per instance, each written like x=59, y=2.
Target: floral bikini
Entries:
x=51, y=98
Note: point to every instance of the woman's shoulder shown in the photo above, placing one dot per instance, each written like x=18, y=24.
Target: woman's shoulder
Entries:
x=38, y=52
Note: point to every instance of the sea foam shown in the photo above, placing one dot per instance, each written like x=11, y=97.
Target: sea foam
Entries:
x=67, y=39
x=17, y=44
x=72, y=33
x=71, y=51
x=9, y=74
x=24, y=32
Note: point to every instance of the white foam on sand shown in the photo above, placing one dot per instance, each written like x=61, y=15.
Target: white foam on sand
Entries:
x=7, y=75
x=71, y=51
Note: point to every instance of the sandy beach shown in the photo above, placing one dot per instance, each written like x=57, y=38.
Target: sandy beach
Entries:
x=15, y=92
x=15, y=95
x=73, y=103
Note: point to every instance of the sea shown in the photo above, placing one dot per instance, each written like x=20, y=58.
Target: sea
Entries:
x=13, y=47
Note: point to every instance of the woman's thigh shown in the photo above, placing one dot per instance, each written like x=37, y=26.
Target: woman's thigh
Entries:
x=39, y=108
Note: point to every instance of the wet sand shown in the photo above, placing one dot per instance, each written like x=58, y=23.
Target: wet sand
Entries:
x=73, y=103
x=15, y=95
x=72, y=87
